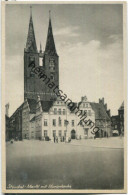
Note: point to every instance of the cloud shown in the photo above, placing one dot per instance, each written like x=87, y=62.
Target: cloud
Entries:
x=67, y=31
x=88, y=69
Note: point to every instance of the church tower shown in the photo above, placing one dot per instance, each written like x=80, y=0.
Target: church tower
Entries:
x=47, y=60
x=30, y=54
x=51, y=59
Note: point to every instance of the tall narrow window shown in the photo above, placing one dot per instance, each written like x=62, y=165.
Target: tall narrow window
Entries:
x=45, y=133
x=59, y=111
x=51, y=64
x=54, y=122
x=55, y=110
x=89, y=112
x=45, y=122
x=72, y=123
x=64, y=111
x=59, y=121
x=54, y=133
x=60, y=133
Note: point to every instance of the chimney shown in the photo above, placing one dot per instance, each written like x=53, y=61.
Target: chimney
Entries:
x=7, y=109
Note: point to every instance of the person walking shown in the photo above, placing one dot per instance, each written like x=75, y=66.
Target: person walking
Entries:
x=54, y=139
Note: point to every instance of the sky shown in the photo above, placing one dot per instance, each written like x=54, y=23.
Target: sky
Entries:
x=89, y=42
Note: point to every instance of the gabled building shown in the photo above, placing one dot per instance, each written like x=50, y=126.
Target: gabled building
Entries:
x=54, y=118
x=102, y=120
x=28, y=112
x=15, y=123
x=115, y=125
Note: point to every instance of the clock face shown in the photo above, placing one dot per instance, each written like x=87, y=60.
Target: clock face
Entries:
x=52, y=64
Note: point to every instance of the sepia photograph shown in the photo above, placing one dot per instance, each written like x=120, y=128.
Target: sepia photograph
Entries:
x=64, y=97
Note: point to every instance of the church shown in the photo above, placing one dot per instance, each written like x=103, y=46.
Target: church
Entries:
x=44, y=115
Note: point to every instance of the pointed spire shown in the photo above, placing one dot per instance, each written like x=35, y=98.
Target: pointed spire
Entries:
x=40, y=48
x=31, y=42
x=50, y=44
x=30, y=11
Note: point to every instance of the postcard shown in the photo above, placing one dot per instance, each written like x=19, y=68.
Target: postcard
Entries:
x=64, y=97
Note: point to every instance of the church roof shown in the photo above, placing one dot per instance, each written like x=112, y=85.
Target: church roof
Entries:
x=46, y=105
x=122, y=106
x=18, y=109
x=99, y=110
x=32, y=105
x=50, y=44
x=31, y=41
x=33, y=119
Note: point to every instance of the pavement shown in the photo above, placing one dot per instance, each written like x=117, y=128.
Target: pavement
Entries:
x=112, y=142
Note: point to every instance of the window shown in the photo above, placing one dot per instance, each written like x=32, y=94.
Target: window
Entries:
x=31, y=59
x=85, y=112
x=86, y=105
x=55, y=110
x=65, y=122
x=59, y=121
x=45, y=122
x=54, y=122
x=60, y=133
x=64, y=111
x=86, y=132
x=54, y=133
x=45, y=133
x=40, y=62
x=65, y=133
x=32, y=74
x=52, y=77
x=72, y=123
x=52, y=64
x=59, y=112
x=89, y=112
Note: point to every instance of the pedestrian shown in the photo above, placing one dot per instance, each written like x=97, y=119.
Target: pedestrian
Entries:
x=54, y=139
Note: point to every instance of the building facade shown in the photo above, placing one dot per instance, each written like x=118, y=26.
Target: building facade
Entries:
x=115, y=125
x=56, y=119
x=121, y=119
x=15, y=124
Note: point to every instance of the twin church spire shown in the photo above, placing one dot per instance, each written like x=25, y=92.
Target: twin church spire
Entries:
x=31, y=41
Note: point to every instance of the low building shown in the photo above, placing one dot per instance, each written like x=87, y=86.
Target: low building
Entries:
x=102, y=120
x=15, y=123
x=28, y=112
x=55, y=118
x=121, y=119
x=115, y=125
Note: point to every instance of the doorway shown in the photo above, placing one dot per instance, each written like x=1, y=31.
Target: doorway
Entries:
x=73, y=134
